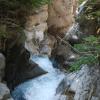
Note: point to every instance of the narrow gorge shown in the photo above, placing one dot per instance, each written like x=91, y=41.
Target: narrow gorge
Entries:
x=49, y=50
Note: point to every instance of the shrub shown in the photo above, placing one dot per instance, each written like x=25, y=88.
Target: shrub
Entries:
x=89, y=49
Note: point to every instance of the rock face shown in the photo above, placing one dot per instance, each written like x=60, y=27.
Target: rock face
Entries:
x=19, y=68
x=4, y=92
x=84, y=83
x=47, y=45
x=63, y=54
x=35, y=27
x=87, y=86
x=2, y=66
x=61, y=16
x=43, y=87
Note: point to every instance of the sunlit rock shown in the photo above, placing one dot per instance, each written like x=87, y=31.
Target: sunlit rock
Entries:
x=84, y=83
x=61, y=16
x=35, y=28
x=47, y=45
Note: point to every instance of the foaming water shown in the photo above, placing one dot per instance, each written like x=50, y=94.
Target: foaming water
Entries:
x=43, y=87
x=81, y=7
x=43, y=62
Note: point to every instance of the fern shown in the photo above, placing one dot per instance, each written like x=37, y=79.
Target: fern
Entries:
x=90, y=48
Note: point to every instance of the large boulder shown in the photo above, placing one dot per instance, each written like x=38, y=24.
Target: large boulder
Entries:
x=43, y=87
x=64, y=55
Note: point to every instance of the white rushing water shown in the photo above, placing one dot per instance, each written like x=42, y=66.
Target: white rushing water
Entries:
x=81, y=7
x=43, y=87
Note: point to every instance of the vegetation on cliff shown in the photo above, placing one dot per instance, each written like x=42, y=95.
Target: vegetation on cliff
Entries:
x=91, y=16
x=89, y=49
x=13, y=14
x=13, y=17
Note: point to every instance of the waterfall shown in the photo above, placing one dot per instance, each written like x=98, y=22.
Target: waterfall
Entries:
x=43, y=87
x=81, y=7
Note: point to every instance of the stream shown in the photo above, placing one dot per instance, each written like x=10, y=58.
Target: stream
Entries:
x=47, y=86
x=43, y=87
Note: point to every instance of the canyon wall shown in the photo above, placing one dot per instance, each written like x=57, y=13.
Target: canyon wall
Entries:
x=61, y=16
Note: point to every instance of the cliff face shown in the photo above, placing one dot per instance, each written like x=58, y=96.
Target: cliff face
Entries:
x=56, y=18
x=61, y=16
x=35, y=27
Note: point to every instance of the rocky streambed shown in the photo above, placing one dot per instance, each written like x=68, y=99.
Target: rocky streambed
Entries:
x=55, y=84
x=33, y=68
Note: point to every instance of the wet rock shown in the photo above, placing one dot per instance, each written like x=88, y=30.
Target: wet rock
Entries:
x=63, y=54
x=87, y=85
x=4, y=92
x=37, y=17
x=19, y=67
x=39, y=31
x=2, y=66
x=47, y=45
x=60, y=97
x=94, y=98
x=84, y=83
x=43, y=87
x=73, y=35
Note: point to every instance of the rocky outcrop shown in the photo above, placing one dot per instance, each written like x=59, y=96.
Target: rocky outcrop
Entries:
x=19, y=68
x=61, y=16
x=47, y=45
x=35, y=27
x=43, y=87
x=85, y=20
x=56, y=17
x=4, y=92
x=2, y=66
x=64, y=55
x=84, y=83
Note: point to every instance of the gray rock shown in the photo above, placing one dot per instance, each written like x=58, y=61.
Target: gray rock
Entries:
x=2, y=65
x=47, y=45
x=87, y=83
x=94, y=98
x=4, y=92
x=84, y=83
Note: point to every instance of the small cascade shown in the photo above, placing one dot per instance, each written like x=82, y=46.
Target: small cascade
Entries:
x=74, y=33
x=43, y=62
x=43, y=87
x=81, y=7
